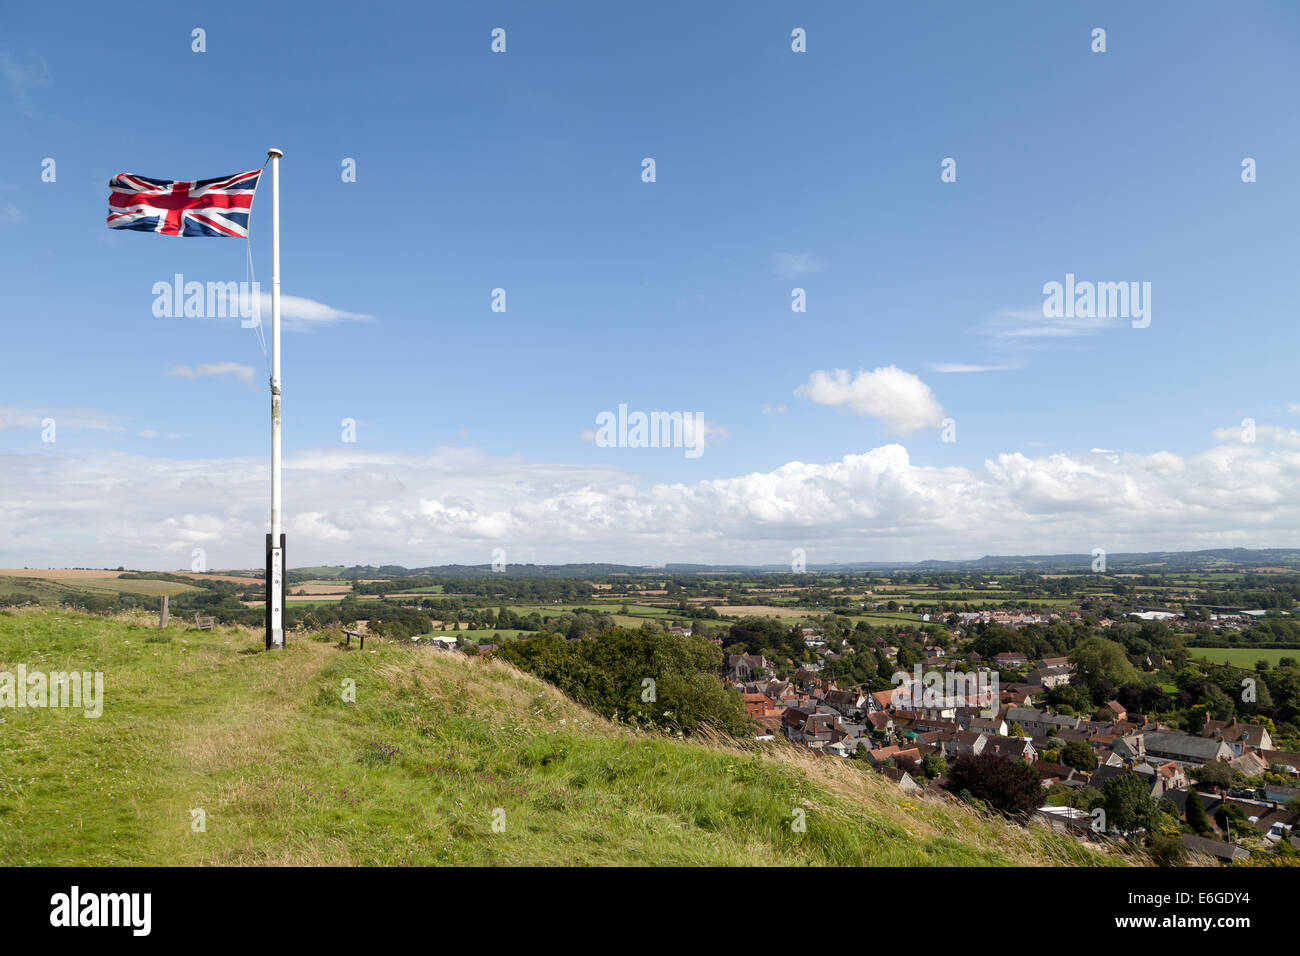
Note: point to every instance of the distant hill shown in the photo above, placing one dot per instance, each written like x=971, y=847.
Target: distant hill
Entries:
x=1220, y=559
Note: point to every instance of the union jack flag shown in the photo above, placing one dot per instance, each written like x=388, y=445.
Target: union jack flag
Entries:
x=209, y=207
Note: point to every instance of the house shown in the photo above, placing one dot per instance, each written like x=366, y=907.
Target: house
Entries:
x=850, y=703
x=1130, y=746
x=1011, y=660
x=962, y=743
x=1223, y=852
x=1116, y=709
x=880, y=722
x=1239, y=737
x=921, y=722
x=1066, y=820
x=1171, y=775
x=1016, y=694
x=1049, y=677
x=993, y=726
x=812, y=728
x=1052, y=773
x=900, y=777
x=882, y=755
x=844, y=748
x=1017, y=748
x=1250, y=764
x=1185, y=749
x=880, y=700
x=1039, y=722
x=680, y=631
x=741, y=667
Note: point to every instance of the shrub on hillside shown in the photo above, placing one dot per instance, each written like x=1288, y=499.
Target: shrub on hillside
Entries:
x=1011, y=787
x=609, y=673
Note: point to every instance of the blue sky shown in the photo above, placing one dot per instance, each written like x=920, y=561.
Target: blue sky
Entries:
x=522, y=170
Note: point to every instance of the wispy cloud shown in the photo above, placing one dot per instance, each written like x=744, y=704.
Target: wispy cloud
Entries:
x=1032, y=324
x=21, y=79
x=960, y=368
x=12, y=417
x=243, y=373
x=1010, y=337
x=794, y=265
x=303, y=315
x=297, y=313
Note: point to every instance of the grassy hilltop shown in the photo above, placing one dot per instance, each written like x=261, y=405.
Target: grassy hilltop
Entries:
x=287, y=772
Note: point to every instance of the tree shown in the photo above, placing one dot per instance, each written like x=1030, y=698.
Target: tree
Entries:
x=1233, y=820
x=934, y=766
x=1128, y=803
x=1197, y=818
x=1078, y=755
x=1097, y=660
x=1008, y=786
x=1216, y=774
x=644, y=675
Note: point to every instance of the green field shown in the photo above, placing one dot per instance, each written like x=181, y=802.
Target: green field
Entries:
x=435, y=750
x=50, y=591
x=480, y=635
x=1243, y=656
x=548, y=611
x=890, y=618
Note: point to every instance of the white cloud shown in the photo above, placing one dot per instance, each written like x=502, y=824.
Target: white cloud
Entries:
x=298, y=314
x=243, y=373
x=898, y=399
x=1032, y=324
x=61, y=507
x=960, y=368
x=11, y=417
x=794, y=265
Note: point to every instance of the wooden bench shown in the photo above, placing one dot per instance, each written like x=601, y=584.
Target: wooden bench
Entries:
x=352, y=634
x=204, y=623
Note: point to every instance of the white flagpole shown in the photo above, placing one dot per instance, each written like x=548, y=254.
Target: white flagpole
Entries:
x=275, y=540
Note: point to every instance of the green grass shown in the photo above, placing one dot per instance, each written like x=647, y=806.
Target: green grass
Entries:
x=1243, y=656
x=436, y=747
x=480, y=635
x=50, y=591
x=547, y=611
x=888, y=618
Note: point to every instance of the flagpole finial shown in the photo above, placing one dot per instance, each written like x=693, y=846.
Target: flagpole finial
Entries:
x=274, y=153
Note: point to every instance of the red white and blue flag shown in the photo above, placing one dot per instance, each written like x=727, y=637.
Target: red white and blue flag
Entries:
x=209, y=207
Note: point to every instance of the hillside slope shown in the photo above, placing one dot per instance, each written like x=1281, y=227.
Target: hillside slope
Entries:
x=435, y=749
